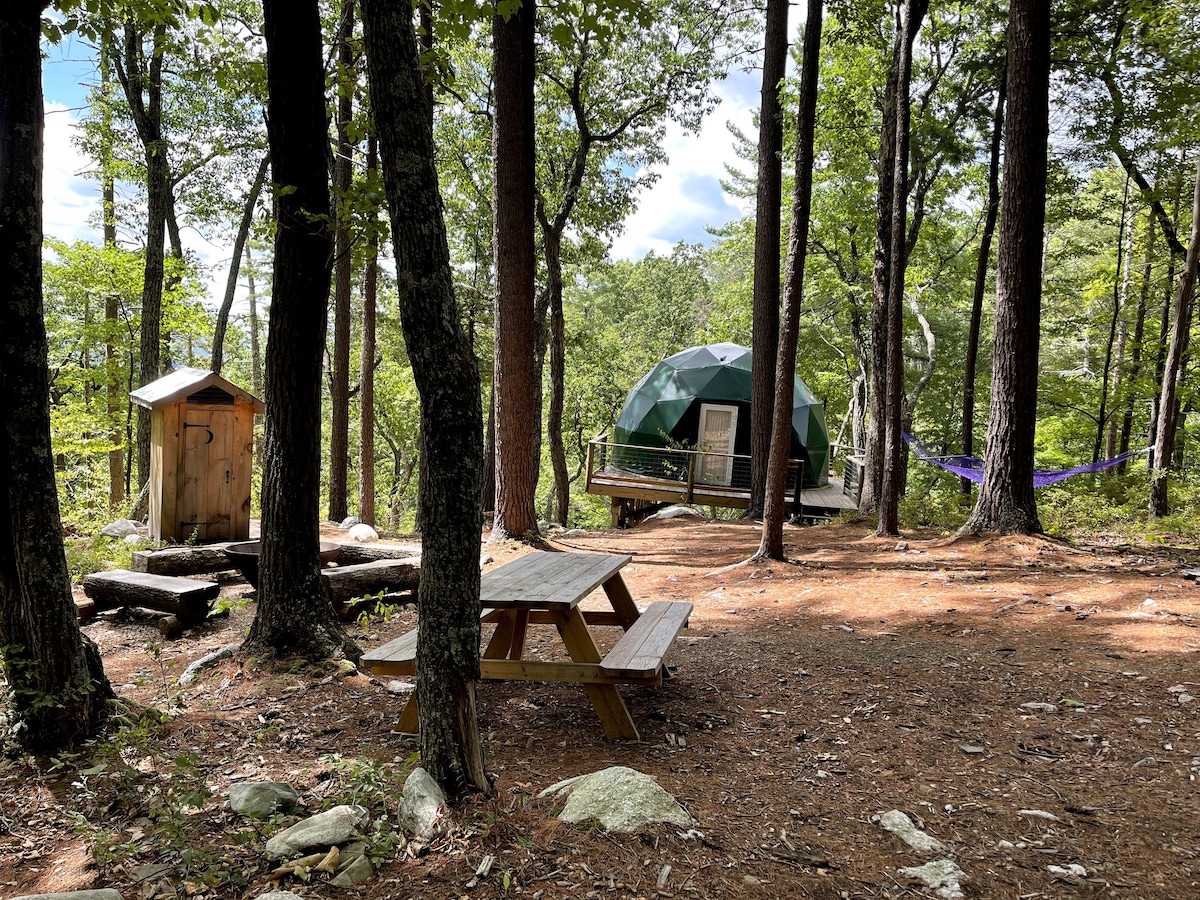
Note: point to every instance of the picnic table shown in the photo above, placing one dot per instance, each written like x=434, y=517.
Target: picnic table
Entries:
x=544, y=588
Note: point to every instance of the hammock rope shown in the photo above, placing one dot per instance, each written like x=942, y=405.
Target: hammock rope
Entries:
x=972, y=466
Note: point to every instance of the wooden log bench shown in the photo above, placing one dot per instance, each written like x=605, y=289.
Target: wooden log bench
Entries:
x=186, y=598
x=344, y=583
x=198, y=560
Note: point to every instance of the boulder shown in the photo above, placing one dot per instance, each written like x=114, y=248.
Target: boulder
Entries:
x=119, y=528
x=422, y=806
x=260, y=799
x=334, y=826
x=364, y=533
x=619, y=798
x=349, y=522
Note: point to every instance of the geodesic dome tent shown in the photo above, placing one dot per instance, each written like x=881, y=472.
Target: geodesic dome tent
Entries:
x=665, y=407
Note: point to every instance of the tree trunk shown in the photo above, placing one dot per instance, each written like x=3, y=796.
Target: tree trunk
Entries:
x=1106, y=370
x=764, y=339
x=561, y=490
x=143, y=93
x=1164, y=318
x=1006, y=500
x=54, y=673
x=515, y=382
x=256, y=377
x=1164, y=438
x=889, y=495
x=793, y=293
x=239, y=246
x=1139, y=331
x=981, y=270
x=366, y=367
x=447, y=377
x=112, y=364
x=294, y=616
x=489, y=456
x=877, y=400
x=1121, y=362
x=339, y=376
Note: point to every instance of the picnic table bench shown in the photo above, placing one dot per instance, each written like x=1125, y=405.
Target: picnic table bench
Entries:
x=544, y=588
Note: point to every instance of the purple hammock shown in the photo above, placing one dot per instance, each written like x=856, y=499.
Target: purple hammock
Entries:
x=972, y=467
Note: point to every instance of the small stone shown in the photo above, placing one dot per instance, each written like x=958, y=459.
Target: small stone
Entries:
x=1039, y=707
x=972, y=749
x=259, y=799
x=399, y=688
x=278, y=895
x=902, y=546
x=1038, y=814
x=349, y=522
x=346, y=668
x=334, y=826
x=619, y=798
x=358, y=871
x=134, y=540
x=902, y=826
x=100, y=894
x=942, y=875
x=422, y=806
x=751, y=880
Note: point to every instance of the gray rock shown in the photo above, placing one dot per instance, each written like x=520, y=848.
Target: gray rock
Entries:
x=619, y=798
x=422, y=806
x=278, y=895
x=942, y=875
x=134, y=540
x=210, y=659
x=349, y=522
x=150, y=870
x=363, y=533
x=902, y=826
x=260, y=799
x=675, y=512
x=1040, y=707
x=99, y=894
x=357, y=872
x=334, y=826
x=398, y=688
x=119, y=528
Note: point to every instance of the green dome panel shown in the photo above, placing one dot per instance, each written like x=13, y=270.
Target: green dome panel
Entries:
x=665, y=404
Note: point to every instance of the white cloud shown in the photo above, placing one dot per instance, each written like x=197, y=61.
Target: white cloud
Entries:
x=68, y=197
x=688, y=196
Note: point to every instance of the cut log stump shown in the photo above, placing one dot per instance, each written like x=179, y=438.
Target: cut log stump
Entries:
x=346, y=582
x=184, y=597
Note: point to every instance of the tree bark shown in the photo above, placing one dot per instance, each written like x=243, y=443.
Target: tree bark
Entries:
x=1164, y=438
x=774, y=512
x=112, y=363
x=366, y=367
x=515, y=382
x=239, y=247
x=447, y=377
x=764, y=339
x=877, y=400
x=57, y=682
x=339, y=376
x=1006, y=500
x=294, y=616
x=981, y=270
x=889, y=496
x=1139, y=331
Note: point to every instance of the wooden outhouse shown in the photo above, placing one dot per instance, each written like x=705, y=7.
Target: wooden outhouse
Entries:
x=201, y=436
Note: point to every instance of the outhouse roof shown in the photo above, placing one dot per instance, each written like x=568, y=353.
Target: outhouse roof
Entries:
x=187, y=381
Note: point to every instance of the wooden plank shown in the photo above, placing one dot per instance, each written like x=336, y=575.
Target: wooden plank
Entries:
x=640, y=652
x=535, y=670
x=185, y=597
x=548, y=580
x=397, y=657
x=409, y=721
x=172, y=455
x=621, y=600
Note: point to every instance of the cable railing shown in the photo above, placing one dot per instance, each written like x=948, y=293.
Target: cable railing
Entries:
x=695, y=470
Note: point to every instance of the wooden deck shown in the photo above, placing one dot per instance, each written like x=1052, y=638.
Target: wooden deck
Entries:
x=634, y=495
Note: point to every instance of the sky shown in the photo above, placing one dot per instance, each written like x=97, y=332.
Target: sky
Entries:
x=683, y=203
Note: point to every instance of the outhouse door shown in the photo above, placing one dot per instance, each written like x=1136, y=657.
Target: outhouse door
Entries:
x=718, y=428
x=206, y=474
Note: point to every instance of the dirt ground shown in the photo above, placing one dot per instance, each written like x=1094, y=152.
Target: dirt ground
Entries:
x=864, y=676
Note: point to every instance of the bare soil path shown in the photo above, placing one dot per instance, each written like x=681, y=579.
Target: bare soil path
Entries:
x=866, y=675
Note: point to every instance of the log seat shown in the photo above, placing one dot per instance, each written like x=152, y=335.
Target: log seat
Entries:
x=186, y=598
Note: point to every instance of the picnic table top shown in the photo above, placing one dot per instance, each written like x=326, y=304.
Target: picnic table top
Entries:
x=545, y=580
